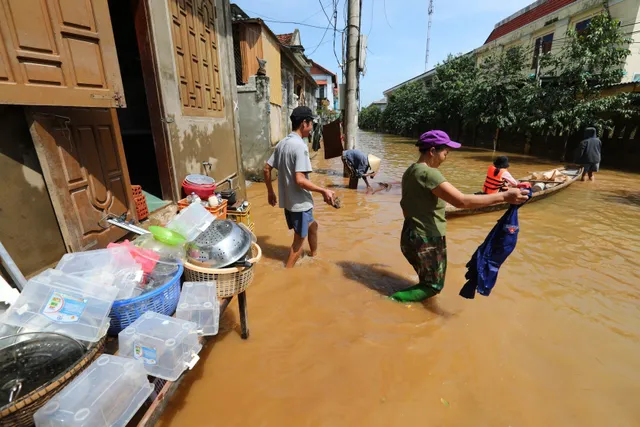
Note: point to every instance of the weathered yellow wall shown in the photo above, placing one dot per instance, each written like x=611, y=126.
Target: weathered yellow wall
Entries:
x=28, y=226
x=627, y=11
x=271, y=49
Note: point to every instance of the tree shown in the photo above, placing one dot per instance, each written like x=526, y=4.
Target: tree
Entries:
x=501, y=82
x=573, y=79
x=409, y=111
x=369, y=118
x=451, y=91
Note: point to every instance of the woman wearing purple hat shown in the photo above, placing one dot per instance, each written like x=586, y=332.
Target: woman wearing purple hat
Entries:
x=425, y=194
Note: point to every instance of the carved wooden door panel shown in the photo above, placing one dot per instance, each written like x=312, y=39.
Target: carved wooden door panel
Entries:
x=58, y=52
x=83, y=162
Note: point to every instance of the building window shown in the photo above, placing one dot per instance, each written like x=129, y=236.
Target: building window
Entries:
x=198, y=65
x=543, y=46
x=582, y=26
x=322, y=91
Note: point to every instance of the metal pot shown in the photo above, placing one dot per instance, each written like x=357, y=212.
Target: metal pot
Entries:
x=223, y=244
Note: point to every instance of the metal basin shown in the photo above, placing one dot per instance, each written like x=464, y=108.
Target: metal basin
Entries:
x=223, y=244
x=28, y=361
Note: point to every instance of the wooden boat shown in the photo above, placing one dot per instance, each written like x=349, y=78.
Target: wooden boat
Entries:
x=573, y=173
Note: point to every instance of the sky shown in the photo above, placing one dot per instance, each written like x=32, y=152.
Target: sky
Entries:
x=397, y=32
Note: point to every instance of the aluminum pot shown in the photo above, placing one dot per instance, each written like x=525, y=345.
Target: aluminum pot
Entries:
x=224, y=243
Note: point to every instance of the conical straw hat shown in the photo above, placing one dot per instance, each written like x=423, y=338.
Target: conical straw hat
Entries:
x=374, y=163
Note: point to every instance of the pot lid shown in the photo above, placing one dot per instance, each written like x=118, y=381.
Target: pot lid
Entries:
x=200, y=180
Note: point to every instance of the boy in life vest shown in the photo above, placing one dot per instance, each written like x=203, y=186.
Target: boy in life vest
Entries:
x=498, y=177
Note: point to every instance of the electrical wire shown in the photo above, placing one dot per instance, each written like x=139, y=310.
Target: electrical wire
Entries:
x=321, y=40
x=296, y=23
x=373, y=3
x=385, y=14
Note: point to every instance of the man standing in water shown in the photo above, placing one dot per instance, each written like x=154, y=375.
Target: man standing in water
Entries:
x=291, y=159
x=588, y=154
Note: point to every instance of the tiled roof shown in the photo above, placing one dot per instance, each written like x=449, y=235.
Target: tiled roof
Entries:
x=285, y=39
x=540, y=10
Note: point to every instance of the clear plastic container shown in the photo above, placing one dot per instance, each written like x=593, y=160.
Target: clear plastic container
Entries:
x=105, y=267
x=148, y=242
x=192, y=221
x=108, y=393
x=54, y=301
x=199, y=303
x=166, y=345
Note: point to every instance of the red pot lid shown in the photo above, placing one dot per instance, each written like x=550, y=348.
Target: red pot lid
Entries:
x=200, y=180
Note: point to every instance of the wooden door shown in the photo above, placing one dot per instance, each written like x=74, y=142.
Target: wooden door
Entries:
x=58, y=52
x=82, y=159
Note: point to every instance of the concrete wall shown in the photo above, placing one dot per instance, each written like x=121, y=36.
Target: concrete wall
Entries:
x=627, y=11
x=198, y=139
x=28, y=226
x=255, y=125
x=289, y=98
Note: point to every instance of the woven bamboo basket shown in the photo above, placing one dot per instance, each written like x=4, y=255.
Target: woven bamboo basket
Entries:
x=20, y=413
x=229, y=281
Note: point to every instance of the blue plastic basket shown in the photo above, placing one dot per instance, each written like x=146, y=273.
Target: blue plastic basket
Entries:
x=163, y=300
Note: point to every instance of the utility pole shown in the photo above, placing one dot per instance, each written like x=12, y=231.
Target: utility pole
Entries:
x=351, y=106
x=426, y=56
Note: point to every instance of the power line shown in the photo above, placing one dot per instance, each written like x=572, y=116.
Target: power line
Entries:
x=296, y=23
x=373, y=3
x=385, y=14
x=316, y=12
x=325, y=12
x=321, y=40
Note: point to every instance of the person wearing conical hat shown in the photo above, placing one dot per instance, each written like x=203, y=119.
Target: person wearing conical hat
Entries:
x=360, y=165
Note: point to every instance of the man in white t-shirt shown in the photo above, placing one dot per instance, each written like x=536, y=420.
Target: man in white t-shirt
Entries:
x=291, y=160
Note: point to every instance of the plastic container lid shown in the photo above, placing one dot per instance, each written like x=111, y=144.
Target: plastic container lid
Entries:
x=191, y=221
x=199, y=303
x=108, y=393
x=166, y=345
x=114, y=266
x=54, y=301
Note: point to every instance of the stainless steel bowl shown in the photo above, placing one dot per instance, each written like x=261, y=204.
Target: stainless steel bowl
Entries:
x=222, y=244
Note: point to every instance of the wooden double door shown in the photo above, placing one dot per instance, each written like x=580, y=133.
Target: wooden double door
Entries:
x=82, y=159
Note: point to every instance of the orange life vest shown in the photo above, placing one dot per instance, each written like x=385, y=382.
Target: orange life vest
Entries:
x=494, y=182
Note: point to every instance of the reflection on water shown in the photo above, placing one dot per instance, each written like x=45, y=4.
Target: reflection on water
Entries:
x=556, y=344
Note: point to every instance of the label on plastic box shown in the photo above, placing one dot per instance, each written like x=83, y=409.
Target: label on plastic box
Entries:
x=147, y=354
x=64, y=307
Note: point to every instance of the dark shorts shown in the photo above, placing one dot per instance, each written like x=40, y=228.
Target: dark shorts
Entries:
x=591, y=167
x=299, y=221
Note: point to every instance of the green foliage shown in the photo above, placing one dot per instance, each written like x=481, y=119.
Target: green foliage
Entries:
x=369, y=118
x=500, y=93
x=408, y=110
x=574, y=77
x=452, y=90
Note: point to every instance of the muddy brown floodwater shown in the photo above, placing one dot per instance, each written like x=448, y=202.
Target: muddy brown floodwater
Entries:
x=556, y=344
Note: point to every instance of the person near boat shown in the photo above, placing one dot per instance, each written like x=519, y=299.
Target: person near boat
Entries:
x=291, y=160
x=360, y=165
x=425, y=194
x=498, y=177
x=589, y=154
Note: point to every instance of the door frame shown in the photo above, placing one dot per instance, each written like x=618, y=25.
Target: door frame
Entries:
x=161, y=139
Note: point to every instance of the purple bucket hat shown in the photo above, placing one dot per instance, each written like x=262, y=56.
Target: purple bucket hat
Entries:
x=436, y=138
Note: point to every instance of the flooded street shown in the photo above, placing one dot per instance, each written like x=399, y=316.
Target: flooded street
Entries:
x=556, y=344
